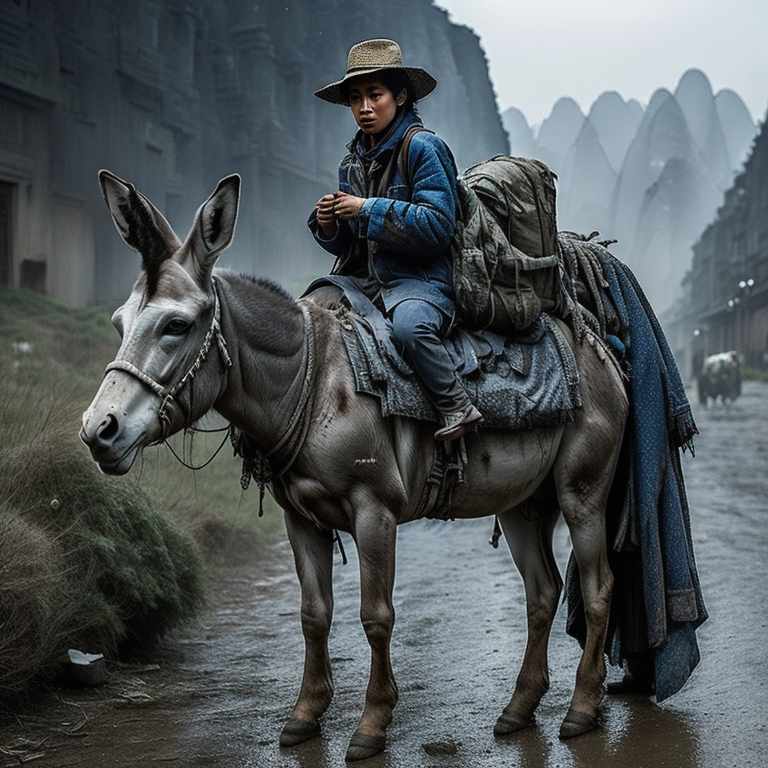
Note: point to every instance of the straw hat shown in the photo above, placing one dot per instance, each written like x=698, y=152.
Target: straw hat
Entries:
x=375, y=56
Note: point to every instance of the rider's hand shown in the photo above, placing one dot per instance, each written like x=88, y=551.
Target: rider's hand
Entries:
x=347, y=206
x=326, y=219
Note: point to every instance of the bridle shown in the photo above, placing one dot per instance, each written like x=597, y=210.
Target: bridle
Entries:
x=282, y=455
x=171, y=392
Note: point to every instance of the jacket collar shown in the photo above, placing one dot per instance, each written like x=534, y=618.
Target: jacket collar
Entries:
x=389, y=141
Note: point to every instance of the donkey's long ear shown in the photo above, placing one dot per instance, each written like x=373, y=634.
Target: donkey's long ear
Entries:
x=213, y=229
x=138, y=222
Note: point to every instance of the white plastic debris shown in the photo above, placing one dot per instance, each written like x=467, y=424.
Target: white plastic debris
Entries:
x=86, y=668
x=22, y=347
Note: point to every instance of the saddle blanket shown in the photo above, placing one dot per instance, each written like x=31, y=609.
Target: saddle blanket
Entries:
x=522, y=383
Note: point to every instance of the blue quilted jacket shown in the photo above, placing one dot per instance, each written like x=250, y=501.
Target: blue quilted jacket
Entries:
x=404, y=231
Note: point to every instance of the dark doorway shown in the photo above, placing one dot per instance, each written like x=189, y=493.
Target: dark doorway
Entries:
x=6, y=222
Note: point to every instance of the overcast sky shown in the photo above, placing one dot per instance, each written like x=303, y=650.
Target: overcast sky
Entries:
x=539, y=50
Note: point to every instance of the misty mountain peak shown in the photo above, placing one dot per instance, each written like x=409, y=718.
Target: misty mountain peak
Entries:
x=559, y=131
x=694, y=94
x=693, y=84
x=521, y=138
x=586, y=183
x=607, y=100
x=658, y=97
x=668, y=132
x=615, y=122
x=566, y=108
x=737, y=125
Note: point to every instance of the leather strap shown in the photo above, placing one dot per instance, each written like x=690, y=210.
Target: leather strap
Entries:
x=405, y=145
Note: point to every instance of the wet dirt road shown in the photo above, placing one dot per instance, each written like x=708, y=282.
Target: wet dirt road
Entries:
x=225, y=686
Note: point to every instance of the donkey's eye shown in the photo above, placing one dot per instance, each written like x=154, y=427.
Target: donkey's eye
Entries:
x=176, y=327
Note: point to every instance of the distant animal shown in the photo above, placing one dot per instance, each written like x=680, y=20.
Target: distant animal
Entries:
x=195, y=339
x=720, y=376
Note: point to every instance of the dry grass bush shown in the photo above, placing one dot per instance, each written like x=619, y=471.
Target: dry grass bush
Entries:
x=85, y=561
x=35, y=614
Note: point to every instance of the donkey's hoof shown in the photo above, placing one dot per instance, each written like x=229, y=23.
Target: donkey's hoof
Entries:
x=576, y=723
x=297, y=731
x=361, y=746
x=510, y=722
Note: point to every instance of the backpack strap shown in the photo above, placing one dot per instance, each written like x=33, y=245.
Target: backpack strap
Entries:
x=405, y=145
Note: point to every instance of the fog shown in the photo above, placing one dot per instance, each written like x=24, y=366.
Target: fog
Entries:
x=174, y=101
x=540, y=51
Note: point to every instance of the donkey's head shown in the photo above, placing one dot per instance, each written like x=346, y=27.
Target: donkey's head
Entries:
x=167, y=325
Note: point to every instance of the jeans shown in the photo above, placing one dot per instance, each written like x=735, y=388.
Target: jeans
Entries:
x=418, y=328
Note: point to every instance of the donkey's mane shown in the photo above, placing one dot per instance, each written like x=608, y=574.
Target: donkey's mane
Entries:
x=262, y=282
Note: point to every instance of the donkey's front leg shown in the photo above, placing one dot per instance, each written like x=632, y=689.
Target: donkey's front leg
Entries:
x=375, y=530
x=313, y=553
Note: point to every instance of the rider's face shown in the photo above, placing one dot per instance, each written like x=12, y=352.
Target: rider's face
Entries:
x=373, y=105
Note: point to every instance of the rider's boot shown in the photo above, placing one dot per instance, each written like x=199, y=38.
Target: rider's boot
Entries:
x=457, y=423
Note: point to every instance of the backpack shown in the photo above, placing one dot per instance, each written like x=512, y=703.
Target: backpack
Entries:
x=520, y=194
x=506, y=268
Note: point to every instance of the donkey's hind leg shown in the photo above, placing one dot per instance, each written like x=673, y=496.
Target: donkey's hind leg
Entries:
x=583, y=486
x=528, y=530
x=313, y=553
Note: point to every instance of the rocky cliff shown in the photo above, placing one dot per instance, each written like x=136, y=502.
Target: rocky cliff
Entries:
x=173, y=95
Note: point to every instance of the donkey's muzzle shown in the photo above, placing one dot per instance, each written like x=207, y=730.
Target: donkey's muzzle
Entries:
x=120, y=421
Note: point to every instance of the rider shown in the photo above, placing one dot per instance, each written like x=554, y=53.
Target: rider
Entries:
x=392, y=234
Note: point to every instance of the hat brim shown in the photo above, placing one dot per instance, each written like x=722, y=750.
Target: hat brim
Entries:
x=421, y=82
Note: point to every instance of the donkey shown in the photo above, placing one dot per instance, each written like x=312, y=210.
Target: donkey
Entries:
x=195, y=338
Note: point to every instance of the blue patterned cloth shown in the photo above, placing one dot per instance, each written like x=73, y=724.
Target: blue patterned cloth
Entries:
x=660, y=424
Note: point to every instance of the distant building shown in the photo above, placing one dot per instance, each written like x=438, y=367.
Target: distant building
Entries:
x=725, y=304
x=174, y=95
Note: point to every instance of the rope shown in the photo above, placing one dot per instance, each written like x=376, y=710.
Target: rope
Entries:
x=215, y=453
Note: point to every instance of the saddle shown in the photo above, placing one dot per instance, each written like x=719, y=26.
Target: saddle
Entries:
x=520, y=383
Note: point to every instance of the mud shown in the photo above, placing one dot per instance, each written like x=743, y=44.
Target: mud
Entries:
x=219, y=692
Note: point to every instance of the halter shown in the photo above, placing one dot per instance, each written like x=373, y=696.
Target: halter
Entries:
x=167, y=394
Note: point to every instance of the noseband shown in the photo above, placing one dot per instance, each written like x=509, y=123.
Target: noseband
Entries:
x=169, y=393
